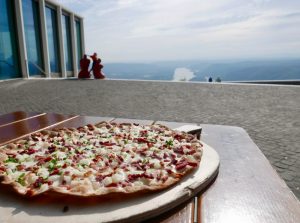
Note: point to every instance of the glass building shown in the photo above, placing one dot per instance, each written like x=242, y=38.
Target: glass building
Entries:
x=39, y=38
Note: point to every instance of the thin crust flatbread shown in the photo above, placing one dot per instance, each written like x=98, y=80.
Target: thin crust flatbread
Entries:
x=97, y=160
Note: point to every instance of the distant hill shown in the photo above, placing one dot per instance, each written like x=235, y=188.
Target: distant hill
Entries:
x=253, y=70
x=226, y=70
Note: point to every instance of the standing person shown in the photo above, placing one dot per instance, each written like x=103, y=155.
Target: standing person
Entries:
x=97, y=70
x=84, y=67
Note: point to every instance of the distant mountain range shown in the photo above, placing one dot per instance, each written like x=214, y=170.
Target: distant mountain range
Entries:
x=226, y=70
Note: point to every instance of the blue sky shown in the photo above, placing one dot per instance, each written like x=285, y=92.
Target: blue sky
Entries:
x=159, y=30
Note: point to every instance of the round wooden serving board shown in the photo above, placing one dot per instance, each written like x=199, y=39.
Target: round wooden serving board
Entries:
x=16, y=209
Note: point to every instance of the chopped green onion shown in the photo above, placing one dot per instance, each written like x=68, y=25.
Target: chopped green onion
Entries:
x=11, y=160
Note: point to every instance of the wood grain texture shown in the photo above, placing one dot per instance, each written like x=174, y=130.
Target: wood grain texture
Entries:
x=82, y=121
x=17, y=116
x=247, y=188
x=181, y=213
x=25, y=127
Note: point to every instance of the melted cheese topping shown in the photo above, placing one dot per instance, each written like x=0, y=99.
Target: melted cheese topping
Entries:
x=107, y=155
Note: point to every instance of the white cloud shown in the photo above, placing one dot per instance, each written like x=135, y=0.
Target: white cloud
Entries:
x=123, y=30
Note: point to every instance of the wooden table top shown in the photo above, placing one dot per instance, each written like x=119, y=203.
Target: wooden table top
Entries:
x=247, y=188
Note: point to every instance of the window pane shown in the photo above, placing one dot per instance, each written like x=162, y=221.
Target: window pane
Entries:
x=32, y=36
x=67, y=42
x=8, y=52
x=78, y=43
x=51, y=21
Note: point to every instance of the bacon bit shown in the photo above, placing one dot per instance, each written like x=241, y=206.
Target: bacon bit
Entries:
x=112, y=185
x=142, y=140
x=169, y=171
x=49, y=182
x=181, y=165
x=47, y=159
x=35, y=168
x=2, y=168
x=143, y=153
x=38, y=182
x=192, y=164
x=55, y=172
x=154, y=155
x=107, y=144
x=164, y=178
x=124, y=184
x=51, y=149
x=66, y=173
x=64, y=182
x=90, y=127
x=143, y=133
x=158, y=177
x=138, y=166
x=38, y=157
x=166, y=160
x=29, y=168
x=20, y=167
x=34, y=138
x=178, y=137
x=148, y=176
x=132, y=177
x=81, y=129
x=192, y=151
x=179, y=150
x=120, y=158
x=11, y=154
x=99, y=178
x=30, y=151
x=64, y=166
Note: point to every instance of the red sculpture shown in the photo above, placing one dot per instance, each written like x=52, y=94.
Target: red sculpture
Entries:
x=97, y=70
x=84, y=66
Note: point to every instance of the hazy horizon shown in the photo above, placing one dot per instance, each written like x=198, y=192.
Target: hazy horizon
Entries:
x=155, y=30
